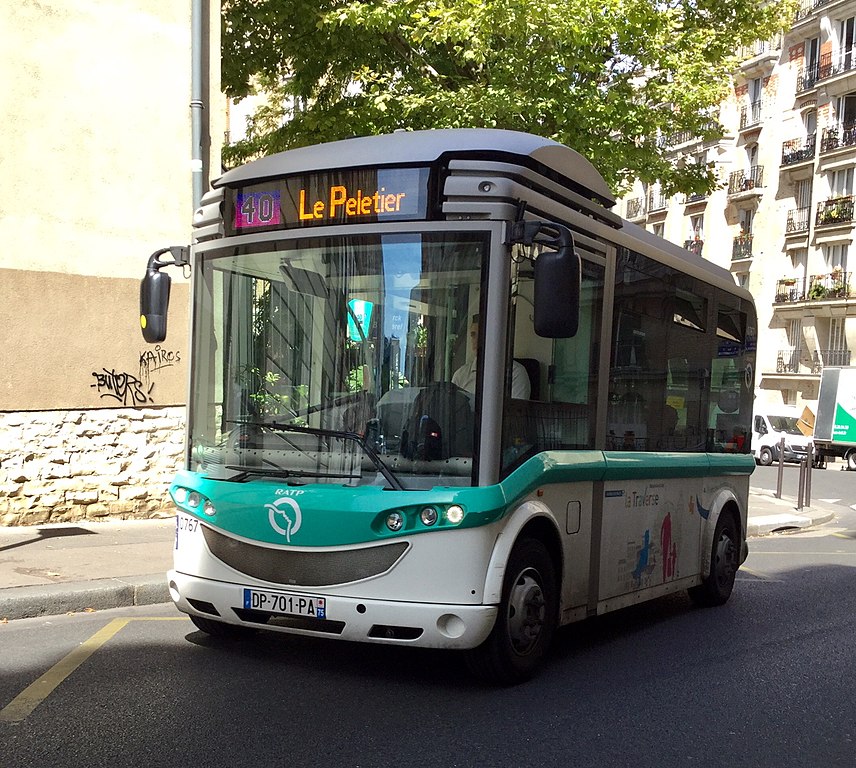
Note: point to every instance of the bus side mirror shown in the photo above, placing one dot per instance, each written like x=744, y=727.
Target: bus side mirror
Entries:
x=154, y=304
x=557, y=291
x=557, y=277
x=154, y=292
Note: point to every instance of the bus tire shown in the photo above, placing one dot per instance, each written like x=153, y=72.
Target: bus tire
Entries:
x=220, y=628
x=724, y=562
x=526, y=620
x=850, y=458
x=765, y=457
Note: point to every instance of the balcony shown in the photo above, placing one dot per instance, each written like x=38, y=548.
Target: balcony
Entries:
x=807, y=77
x=806, y=7
x=656, y=202
x=745, y=181
x=835, y=285
x=798, y=150
x=798, y=219
x=835, y=211
x=838, y=137
x=789, y=290
x=636, y=208
x=750, y=115
x=741, y=247
x=788, y=360
x=695, y=245
x=832, y=357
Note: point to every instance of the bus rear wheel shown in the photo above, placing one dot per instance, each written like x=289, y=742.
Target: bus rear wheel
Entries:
x=526, y=619
x=724, y=562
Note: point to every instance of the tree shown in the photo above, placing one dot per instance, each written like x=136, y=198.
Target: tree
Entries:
x=612, y=79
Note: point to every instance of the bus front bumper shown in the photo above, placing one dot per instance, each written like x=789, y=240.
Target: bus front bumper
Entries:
x=426, y=625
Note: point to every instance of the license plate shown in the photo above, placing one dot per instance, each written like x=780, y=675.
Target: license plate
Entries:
x=287, y=603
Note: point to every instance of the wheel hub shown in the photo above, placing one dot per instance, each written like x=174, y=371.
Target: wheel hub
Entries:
x=526, y=612
x=726, y=560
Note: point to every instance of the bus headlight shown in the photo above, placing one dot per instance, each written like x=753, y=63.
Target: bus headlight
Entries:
x=194, y=499
x=455, y=514
x=208, y=508
x=428, y=515
x=395, y=521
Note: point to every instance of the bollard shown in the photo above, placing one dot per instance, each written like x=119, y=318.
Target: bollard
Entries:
x=781, y=468
x=801, y=485
x=810, y=462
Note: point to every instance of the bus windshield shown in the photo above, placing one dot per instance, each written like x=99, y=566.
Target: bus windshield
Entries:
x=331, y=360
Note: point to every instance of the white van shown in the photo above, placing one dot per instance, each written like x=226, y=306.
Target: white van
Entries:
x=768, y=429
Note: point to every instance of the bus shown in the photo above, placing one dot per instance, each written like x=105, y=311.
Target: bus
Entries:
x=441, y=395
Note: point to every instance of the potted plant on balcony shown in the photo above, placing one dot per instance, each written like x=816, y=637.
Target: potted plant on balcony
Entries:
x=838, y=287
x=817, y=291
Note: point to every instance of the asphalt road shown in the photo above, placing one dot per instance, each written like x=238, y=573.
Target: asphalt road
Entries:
x=765, y=681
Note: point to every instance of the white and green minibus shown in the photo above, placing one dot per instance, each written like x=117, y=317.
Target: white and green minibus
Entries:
x=442, y=396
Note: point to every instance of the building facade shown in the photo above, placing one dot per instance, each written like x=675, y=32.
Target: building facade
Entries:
x=782, y=218
x=95, y=167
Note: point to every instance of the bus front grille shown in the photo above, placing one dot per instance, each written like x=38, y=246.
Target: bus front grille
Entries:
x=300, y=567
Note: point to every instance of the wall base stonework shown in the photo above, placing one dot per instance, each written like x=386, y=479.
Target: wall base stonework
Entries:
x=66, y=466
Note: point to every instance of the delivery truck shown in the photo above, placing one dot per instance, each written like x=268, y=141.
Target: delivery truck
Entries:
x=835, y=422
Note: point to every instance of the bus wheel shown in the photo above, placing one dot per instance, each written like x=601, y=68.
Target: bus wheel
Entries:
x=850, y=458
x=221, y=628
x=526, y=620
x=724, y=562
x=765, y=457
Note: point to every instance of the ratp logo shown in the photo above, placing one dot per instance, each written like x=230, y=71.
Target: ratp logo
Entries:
x=288, y=510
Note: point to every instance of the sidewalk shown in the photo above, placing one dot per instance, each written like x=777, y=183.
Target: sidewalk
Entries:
x=52, y=569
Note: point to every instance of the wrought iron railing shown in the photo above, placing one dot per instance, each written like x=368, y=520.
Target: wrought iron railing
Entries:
x=743, y=181
x=656, y=202
x=834, y=285
x=635, y=207
x=788, y=360
x=750, y=114
x=790, y=289
x=806, y=7
x=695, y=245
x=839, y=136
x=798, y=150
x=836, y=210
x=798, y=219
x=759, y=47
x=836, y=357
x=741, y=247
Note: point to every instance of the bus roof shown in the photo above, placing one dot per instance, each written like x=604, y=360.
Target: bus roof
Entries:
x=417, y=147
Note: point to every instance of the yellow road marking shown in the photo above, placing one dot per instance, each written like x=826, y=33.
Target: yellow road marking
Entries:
x=27, y=700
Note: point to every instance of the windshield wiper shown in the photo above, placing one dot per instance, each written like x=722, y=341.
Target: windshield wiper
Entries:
x=342, y=435
x=246, y=472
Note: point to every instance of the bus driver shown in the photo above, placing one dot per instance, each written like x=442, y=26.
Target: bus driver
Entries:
x=465, y=376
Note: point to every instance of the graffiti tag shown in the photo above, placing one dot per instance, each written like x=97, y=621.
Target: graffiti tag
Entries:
x=153, y=360
x=122, y=387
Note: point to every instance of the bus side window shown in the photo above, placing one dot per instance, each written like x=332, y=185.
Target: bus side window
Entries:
x=560, y=411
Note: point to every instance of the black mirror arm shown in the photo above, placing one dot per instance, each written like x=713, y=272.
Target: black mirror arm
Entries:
x=541, y=233
x=180, y=257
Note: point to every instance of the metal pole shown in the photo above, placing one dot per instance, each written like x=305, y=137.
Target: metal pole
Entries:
x=801, y=485
x=810, y=460
x=196, y=102
x=781, y=468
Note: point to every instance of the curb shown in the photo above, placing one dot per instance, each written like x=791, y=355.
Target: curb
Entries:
x=761, y=525
x=72, y=597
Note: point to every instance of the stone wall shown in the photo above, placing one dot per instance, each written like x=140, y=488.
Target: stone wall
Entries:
x=63, y=466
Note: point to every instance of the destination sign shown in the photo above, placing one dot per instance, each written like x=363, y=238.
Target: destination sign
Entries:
x=332, y=197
